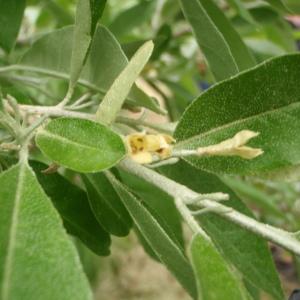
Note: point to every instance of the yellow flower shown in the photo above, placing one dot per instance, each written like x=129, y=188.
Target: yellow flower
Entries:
x=144, y=148
x=233, y=147
x=142, y=157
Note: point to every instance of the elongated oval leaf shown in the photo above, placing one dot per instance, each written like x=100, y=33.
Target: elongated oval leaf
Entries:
x=160, y=205
x=11, y=14
x=87, y=15
x=248, y=252
x=159, y=201
x=106, y=204
x=37, y=259
x=214, y=277
x=253, y=100
x=163, y=246
x=241, y=54
x=80, y=145
x=221, y=44
x=73, y=206
x=104, y=63
x=117, y=93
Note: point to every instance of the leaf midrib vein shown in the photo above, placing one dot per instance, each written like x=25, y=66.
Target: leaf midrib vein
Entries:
x=67, y=141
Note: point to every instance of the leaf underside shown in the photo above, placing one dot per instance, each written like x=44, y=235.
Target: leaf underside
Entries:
x=106, y=204
x=163, y=246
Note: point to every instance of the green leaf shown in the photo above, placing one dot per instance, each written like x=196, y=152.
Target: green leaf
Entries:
x=221, y=44
x=106, y=204
x=88, y=13
x=119, y=90
x=11, y=15
x=104, y=63
x=216, y=280
x=97, y=8
x=164, y=247
x=72, y=204
x=264, y=14
x=248, y=252
x=145, y=245
x=252, y=290
x=164, y=225
x=253, y=100
x=132, y=18
x=37, y=259
x=159, y=202
x=80, y=145
x=162, y=41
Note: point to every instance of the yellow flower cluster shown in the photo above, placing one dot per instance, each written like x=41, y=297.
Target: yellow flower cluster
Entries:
x=145, y=148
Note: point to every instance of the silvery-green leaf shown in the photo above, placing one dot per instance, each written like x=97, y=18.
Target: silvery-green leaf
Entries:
x=215, y=278
x=106, y=204
x=81, y=145
x=72, y=204
x=163, y=246
x=119, y=90
x=220, y=43
x=37, y=258
x=11, y=15
x=252, y=100
x=87, y=15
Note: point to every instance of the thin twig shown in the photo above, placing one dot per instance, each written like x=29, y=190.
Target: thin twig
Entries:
x=188, y=217
x=283, y=238
x=81, y=106
x=59, y=75
x=80, y=100
x=55, y=111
